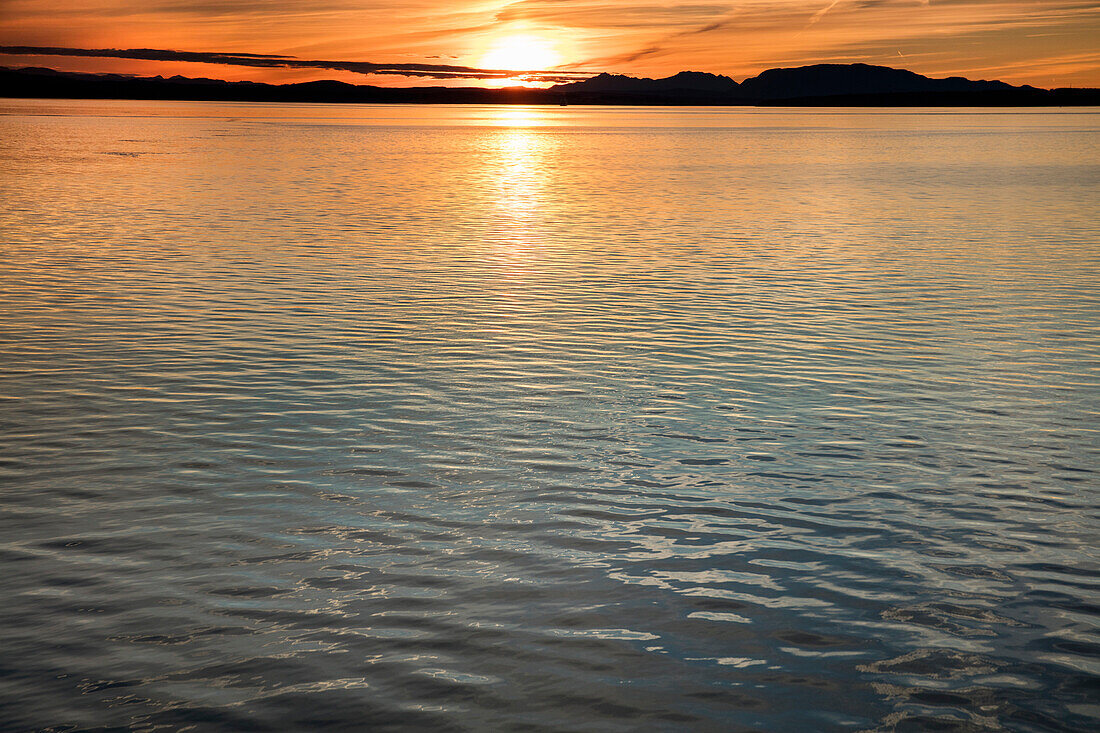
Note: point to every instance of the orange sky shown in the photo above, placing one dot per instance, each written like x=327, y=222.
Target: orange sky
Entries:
x=1046, y=43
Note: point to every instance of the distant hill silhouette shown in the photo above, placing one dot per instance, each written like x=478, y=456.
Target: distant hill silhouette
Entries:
x=824, y=80
x=820, y=84
x=685, y=81
x=801, y=83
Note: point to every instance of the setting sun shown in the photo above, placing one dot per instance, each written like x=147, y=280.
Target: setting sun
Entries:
x=520, y=53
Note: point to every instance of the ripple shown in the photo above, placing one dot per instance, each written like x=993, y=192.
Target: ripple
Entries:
x=643, y=419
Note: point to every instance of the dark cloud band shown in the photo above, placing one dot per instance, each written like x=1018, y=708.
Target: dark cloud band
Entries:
x=432, y=71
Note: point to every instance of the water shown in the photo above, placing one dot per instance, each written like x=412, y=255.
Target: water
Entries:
x=567, y=419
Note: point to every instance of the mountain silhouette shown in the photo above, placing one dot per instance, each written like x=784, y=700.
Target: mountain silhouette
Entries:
x=826, y=80
x=820, y=84
x=804, y=82
x=685, y=81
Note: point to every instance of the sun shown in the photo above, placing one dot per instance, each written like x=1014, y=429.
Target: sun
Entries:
x=520, y=53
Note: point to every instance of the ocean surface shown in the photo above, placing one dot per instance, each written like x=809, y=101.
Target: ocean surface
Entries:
x=399, y=418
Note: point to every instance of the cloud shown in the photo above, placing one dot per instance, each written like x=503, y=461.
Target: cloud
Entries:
x=663, y=44
x=270, y=61
x=821, y=13
x=606, y=15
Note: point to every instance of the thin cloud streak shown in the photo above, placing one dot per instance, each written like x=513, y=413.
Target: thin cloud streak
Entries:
x=821, y=13
x=661, y=45
x=272, y=61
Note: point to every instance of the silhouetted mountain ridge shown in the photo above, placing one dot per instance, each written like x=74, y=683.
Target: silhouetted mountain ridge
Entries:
x=696, y=81
x=818, y=80
x=820, y=84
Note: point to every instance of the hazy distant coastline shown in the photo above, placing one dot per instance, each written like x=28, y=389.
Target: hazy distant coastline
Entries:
x=818, y=85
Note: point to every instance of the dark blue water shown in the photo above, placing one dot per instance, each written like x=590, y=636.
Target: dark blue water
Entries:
x=488, y=419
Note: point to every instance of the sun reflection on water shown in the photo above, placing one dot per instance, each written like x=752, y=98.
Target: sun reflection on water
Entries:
x=519, y=116
x=520, y=170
